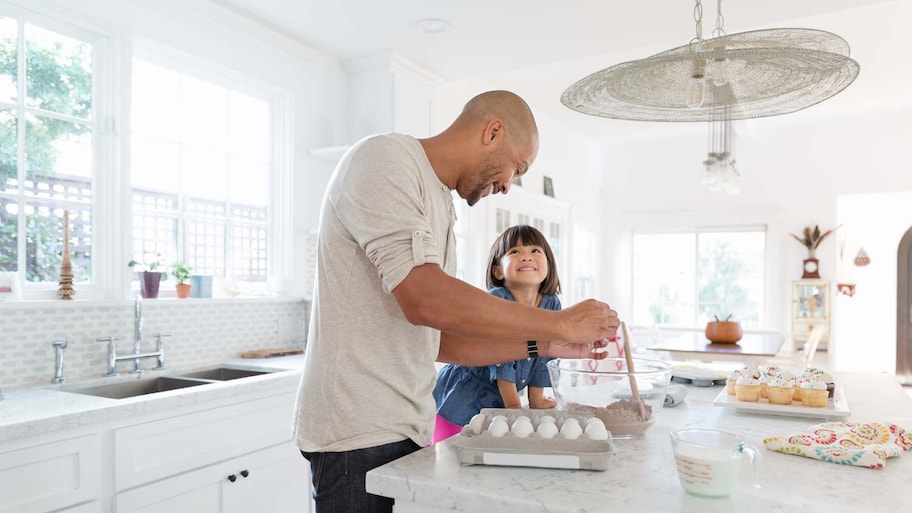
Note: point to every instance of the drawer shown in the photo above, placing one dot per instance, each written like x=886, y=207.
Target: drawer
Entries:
x=162, y=448
x=50, y=476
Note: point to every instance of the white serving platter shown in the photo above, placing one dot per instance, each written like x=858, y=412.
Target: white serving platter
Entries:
x=837, y=406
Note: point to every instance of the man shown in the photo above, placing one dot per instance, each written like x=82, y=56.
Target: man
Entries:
x=386, y=306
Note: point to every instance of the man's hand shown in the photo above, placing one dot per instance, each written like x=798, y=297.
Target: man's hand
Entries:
x=587, y=321
x=562, y=349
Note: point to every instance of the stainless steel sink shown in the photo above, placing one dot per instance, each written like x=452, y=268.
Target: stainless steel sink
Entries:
x=223, y=374
x=138, y=387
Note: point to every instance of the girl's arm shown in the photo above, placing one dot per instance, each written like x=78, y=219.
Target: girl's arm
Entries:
x=509, y=394
x=537, y=399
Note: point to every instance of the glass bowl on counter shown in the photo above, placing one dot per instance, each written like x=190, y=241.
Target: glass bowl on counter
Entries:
x=603, y=388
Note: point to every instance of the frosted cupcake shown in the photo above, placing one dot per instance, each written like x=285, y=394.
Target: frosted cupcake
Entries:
x=747, y=388
x=780, y=391
x=814, y=394
x=730, y=381
x=815, y=374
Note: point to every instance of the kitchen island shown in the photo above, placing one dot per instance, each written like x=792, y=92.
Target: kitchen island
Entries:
x=642, y=475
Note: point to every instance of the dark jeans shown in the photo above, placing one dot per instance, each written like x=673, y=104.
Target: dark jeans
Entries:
x=338, y=477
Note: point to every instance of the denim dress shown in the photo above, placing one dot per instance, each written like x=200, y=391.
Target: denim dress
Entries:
x=461, y=392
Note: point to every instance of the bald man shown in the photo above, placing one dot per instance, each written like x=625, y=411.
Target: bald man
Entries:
x=386, y=304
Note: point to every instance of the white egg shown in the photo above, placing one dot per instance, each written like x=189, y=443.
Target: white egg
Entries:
x=521, y=429
x=545, y=418
x=501, y=417
x=498, y=427
x=593, y=420
x=476, y=424
x=547, y=429
x=597, y=431
x=571, y=430
x=522, y=418
x=569, y=420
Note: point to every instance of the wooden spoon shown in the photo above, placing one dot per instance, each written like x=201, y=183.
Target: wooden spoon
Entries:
x=630, y=371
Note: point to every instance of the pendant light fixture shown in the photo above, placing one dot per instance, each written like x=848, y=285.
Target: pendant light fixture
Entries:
x=769, y=72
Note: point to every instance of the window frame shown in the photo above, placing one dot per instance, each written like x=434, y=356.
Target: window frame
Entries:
x=280, y=199
x=105, y=92
x=693, y=222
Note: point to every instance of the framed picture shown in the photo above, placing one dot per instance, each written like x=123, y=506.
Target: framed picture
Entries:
x=549, y=187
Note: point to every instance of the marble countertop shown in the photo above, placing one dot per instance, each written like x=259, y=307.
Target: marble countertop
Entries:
x=34, y=411
x=642, y=475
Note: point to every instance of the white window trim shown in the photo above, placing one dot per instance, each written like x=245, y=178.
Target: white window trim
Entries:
x=281, y=207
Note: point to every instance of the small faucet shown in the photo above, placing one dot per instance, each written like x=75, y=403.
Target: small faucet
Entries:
x=59, y=346
x=137, y=354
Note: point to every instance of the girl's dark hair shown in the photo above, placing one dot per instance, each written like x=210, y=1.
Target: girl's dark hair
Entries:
x=528, y=236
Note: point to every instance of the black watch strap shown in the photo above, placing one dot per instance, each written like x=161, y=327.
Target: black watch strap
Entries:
x=532, y=348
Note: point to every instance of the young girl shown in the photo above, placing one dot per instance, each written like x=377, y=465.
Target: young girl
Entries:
x=521, y=268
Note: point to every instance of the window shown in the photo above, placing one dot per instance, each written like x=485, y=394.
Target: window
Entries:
x=47, y=150
x=687, y=278
x=201, y=169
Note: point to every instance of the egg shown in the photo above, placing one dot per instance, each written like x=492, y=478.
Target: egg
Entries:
x=571, y=430
x=545, y=418
x=522, y=418
x=499, y=417
x=570, y=420
x=498, y=427
x=521, y=429
x=593, y=420
x=476, y=424
x=597, y=431
x=547, y=429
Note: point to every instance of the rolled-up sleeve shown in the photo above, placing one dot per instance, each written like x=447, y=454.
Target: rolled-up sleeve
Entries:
x=382, y=205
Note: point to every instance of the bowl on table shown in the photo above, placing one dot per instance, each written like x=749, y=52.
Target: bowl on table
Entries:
x=603, y=388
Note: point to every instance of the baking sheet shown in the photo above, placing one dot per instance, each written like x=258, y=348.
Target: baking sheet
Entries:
x=837, y=406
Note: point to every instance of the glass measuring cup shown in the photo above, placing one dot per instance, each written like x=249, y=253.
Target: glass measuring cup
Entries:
x=709, y=460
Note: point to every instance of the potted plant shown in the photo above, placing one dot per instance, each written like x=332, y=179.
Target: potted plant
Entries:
x=149, y=276
x=181, y=273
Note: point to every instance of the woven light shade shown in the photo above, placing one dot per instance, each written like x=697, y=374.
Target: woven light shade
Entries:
x=764, y=73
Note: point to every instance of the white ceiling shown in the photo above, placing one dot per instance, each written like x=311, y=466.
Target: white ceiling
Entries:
x=535, y=47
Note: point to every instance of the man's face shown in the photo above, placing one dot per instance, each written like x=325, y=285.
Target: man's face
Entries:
x=497, y=170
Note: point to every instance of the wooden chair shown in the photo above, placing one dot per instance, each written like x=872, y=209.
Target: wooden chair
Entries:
x=810, y=345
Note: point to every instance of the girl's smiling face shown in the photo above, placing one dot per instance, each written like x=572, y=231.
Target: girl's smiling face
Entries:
x=523, y=265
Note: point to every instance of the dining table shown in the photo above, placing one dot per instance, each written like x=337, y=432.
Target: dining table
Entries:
x=641, y=475
x=752, y=348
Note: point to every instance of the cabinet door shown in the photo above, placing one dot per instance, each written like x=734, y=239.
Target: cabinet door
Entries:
x=50, y=476
x=91, y=507
x=275, y=480
x=200, y=491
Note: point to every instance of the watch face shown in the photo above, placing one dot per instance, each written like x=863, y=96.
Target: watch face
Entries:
x=810, y=266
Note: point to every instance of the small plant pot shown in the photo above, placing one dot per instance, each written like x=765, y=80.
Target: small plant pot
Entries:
x=183, y=290
x=148, y=284
x=724, y=332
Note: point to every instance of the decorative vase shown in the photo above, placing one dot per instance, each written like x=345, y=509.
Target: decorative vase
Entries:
x=183, y=290
x=148, y=284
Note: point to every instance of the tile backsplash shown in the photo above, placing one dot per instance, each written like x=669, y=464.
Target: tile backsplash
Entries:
x=203, y=331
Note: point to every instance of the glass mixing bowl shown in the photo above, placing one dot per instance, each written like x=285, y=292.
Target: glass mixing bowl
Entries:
x=603, y=388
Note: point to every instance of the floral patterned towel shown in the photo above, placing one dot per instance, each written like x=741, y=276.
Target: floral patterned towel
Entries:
x=866, y=444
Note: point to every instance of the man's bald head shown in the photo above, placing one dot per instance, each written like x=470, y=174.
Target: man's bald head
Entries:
x=519, y=123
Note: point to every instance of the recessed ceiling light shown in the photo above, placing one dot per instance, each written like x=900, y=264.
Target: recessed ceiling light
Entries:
x=433, y=26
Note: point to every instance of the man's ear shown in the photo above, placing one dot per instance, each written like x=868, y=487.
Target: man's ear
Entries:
x=493, y=130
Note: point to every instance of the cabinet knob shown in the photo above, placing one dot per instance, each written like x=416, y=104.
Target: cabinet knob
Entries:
x=232, y=478
x=245, y=473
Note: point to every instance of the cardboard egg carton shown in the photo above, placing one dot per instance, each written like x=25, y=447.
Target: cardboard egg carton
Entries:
x=533, y=451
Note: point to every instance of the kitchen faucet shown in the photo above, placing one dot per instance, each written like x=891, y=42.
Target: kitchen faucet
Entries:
x=137, y=354
x=59, y=346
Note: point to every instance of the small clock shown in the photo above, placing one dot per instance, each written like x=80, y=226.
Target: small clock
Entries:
x=810, y=269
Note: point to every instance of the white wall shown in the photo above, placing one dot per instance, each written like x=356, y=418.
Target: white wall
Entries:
x=865, y=324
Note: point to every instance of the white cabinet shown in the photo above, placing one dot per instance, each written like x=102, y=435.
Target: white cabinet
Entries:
x=810, y=308
x=276, y=480
x=51, y=476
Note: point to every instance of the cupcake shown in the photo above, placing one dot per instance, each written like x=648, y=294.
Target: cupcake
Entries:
x=780, y=391
x=730, y=381
x=747, y=388
x=822, y=376
x=814, y=393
